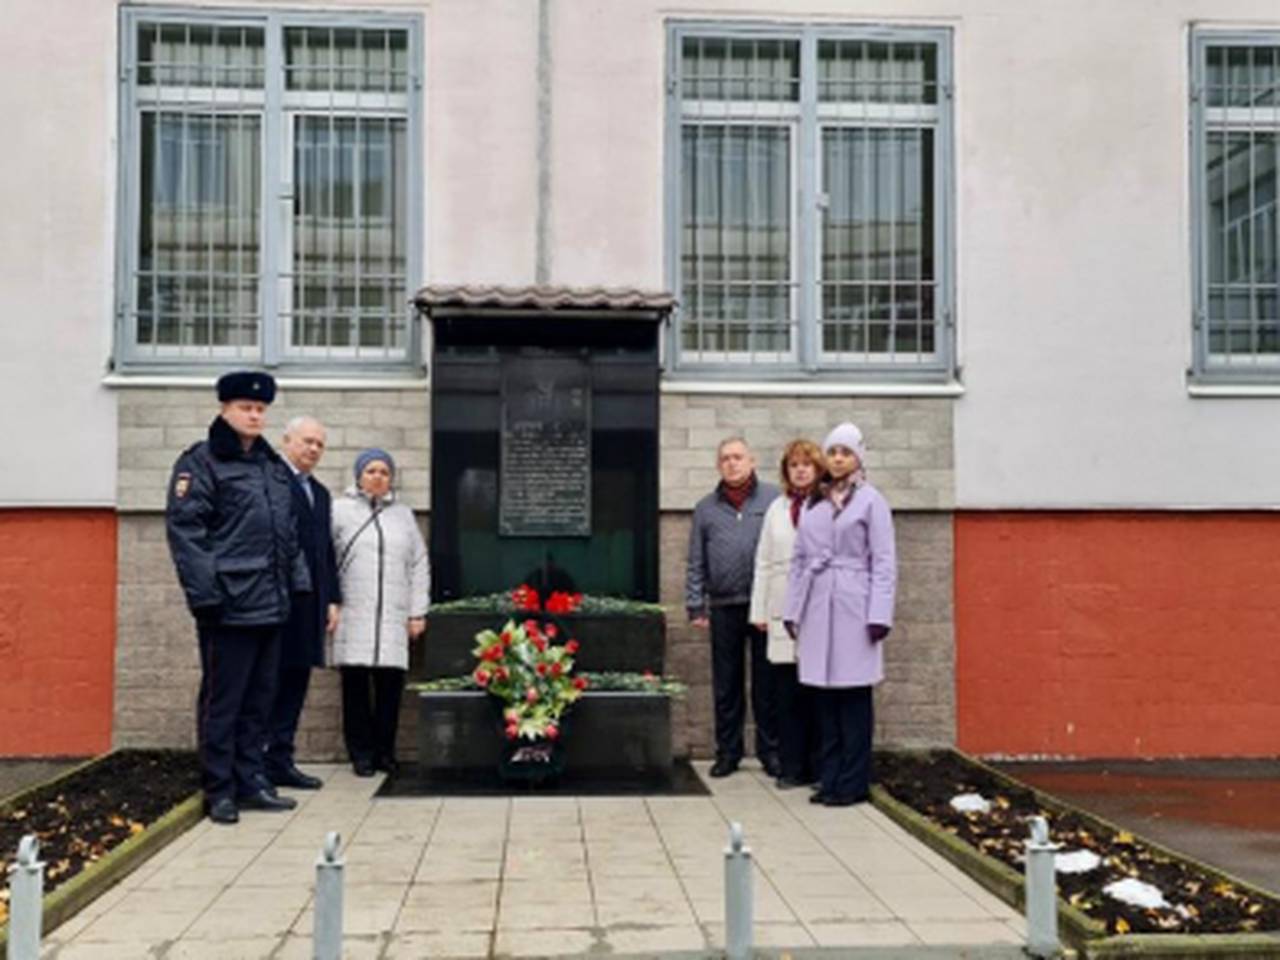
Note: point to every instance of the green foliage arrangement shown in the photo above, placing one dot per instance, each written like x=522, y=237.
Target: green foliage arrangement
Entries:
x=603, y=682
x=502, y=604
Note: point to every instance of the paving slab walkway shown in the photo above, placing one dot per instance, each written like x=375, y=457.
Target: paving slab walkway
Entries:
x=462, y=877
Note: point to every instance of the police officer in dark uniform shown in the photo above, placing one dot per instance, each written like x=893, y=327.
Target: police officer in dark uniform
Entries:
x=234, y=541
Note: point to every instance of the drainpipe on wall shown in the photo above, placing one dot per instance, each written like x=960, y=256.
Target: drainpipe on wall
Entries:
x=542, y=262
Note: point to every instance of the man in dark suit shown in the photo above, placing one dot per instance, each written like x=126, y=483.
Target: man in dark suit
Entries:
x=313, y=614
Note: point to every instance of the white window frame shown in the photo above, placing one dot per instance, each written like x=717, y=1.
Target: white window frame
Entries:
x=1208, y=367
x=806, y=359
x=279, y=108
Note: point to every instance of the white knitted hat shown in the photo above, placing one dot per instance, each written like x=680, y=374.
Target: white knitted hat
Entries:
x=846, y=435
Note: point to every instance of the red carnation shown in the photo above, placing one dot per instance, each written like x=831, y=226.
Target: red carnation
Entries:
x=649, y=677
x=571, y=647
x=557, y=668
x=540, y=643
x=506, y=638
x=482, y=676
x=531, y=695
x=512, y=730
x=501, y=673
x=552, y=731
x=541, y=669
x=550, y=630
x=530, y=626
x=580, y=683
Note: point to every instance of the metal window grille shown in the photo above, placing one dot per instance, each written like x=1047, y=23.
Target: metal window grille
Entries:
x=1236, y=180
x=268, y=208
x=808, y=199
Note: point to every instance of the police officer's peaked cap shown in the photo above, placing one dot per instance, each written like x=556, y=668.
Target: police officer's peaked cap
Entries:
x=246, y=385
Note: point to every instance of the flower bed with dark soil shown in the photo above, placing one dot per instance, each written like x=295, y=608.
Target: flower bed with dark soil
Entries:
x=82, y=816
x=1201, y=900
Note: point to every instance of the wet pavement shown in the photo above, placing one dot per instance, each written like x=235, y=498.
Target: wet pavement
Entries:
x=18, y=775
x=1225, y=813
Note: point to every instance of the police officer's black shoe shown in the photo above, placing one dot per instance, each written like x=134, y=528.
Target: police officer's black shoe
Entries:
x=363, y=768
x=261, y=782
x=265, y=801
x=772, y=766
x=223, y=810
x=293, y=777
x=386, y=765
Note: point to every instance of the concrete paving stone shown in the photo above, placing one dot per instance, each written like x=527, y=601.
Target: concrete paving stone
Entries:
x=839, y=909
x=952, y=908
x=763, y=935
x=529, y=914
x=924, y=885
x=891, y=933
x=551, y=942
x=764, y=909
x=373, y=870
x=1018, y=925
x=440, y=870
x=618, y=888
x=416, y=945
x=996, y=907
x=254, y=948
x=178, y=874
x=123, y=950
x=442, y=915
x=136, y=927
x=188, y=900
x=645, y=912
x=250, y=913
x=295, y=947
x=949, y=933
x=792, y=884
x=367, y=910
x=648, y=940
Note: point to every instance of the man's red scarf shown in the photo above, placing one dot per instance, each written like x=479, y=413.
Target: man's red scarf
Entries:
x=737, y=496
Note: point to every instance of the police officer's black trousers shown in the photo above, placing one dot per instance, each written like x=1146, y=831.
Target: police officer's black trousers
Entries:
x=282, y=726
x=731, y=638
x=846, y=717
x=799, y=739
x=371, y=712
x=237, y=684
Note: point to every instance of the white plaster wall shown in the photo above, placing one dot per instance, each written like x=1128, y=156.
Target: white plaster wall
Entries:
x=56, y=194
x=1072, y=233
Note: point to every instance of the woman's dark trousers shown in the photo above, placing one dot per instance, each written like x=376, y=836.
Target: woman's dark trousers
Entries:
x=845, y=714
x=733, y=639
x=370, y=712
x=799, y=739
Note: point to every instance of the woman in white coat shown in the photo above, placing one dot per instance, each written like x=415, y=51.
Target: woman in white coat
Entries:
x=802, y=465
x=385, y=580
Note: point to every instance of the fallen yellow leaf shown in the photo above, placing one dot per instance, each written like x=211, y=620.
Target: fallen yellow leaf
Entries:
x=1124, y=836
x=1122, y=925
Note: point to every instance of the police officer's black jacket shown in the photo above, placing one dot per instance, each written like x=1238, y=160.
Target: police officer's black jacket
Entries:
x=233, y=531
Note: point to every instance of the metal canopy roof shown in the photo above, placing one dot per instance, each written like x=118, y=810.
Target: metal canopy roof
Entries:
x=459, y=298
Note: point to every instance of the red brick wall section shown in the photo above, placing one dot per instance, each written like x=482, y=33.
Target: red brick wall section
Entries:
x=57, y=631
x=1118, y=634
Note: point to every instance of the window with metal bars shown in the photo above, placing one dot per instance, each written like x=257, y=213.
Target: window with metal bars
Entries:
x=1235, y=146
x=270, y=184
x=808, y=200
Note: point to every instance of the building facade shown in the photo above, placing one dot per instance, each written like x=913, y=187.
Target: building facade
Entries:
x=1031, y=248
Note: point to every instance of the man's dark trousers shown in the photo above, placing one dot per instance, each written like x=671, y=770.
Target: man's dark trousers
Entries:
x=237, y=684
x=731, y=636
x=282, y=724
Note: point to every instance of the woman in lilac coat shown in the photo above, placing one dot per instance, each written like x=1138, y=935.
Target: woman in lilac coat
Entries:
x=840, y=593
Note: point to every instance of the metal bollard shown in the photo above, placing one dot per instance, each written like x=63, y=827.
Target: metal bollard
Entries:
x=1041, y=892
x=26, y=895
x=737, y=896
x=327, y=932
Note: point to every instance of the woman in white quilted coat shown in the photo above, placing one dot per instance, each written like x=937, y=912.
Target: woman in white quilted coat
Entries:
x=385, y=578
x=802, y=465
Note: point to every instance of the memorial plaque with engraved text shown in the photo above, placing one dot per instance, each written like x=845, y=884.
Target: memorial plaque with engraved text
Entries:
x=545, y=472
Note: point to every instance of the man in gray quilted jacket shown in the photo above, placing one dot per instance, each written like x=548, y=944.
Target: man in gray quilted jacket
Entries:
x=722, y=550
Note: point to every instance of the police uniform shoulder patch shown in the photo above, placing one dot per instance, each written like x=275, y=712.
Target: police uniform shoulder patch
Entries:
x=181, y=485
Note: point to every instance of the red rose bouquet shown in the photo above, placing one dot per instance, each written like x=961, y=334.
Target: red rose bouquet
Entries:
x=524, y=666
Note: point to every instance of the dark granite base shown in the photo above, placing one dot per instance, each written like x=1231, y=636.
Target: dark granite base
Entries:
x=679, y=780
x=627, y=643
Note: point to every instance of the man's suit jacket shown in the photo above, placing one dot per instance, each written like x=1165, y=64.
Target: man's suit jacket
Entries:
x=303, y=636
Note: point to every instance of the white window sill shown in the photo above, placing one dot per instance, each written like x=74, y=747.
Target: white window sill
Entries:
x=1233, y=391
x=807, y=388
x=122, y=381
